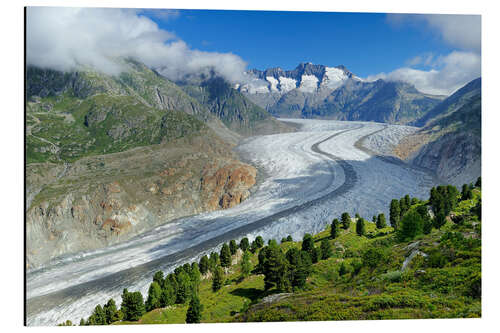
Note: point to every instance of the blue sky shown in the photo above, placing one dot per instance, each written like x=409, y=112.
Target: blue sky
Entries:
x=436, y=53
x=365, y=43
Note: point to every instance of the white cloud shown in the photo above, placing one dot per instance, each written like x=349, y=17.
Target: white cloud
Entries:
x=450, y=72
x=65, y=38
x=461, y=31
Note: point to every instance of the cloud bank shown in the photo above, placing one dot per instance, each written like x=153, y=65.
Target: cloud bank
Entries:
x=66, y=38
x=451, y=72
x=446, y=73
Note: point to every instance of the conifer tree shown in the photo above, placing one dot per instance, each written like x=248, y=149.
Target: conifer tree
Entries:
x=218, y=279
x=132, y=305
x=326, y=249
x=346, y=221
x=275, y=268
x=184, y=288
x=168, y=293
x=381, y=223
x=316, y=254
x=259, y=241
x=395, y=212
x=158, y=277
x=335, y=229
x=111, y=311
x=154, y=297
x=233, y=247
x=225, y=256
x=244, y=244
x=193, y=314
x=308, y=243
x=204, y=265
x=246, y=265
x=360, y=227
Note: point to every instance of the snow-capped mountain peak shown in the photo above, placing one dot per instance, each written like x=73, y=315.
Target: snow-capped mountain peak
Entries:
x=306, y=78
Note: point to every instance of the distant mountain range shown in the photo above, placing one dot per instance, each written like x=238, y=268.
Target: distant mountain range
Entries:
x=317, y=91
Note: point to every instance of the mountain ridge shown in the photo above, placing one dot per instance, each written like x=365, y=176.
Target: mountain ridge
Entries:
x=322, y=92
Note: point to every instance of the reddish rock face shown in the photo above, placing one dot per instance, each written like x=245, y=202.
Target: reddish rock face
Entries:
x=228, y=185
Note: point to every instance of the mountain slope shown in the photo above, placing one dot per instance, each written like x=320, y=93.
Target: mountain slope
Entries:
x=233, y=108
x=450, y=141
x=317, y=91
x=109, y=157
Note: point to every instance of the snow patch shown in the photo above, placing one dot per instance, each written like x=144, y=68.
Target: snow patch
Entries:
x=333, y=78
x=309, y=83
x=287, y=84
x=273, y=82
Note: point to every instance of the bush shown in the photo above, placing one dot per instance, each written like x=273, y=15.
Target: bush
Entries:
x=394, y=276
x=373, y=257
x=436, y=259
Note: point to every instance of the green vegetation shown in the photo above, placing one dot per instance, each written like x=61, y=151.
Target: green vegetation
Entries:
x=416, y=271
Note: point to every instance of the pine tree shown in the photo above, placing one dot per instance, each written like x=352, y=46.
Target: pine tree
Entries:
x=326, y=249
x=394, y=215
x=316, y=254
x=412, y=225
x=335, y=229
x=289, y=238
x=275, y=268
x=193, y=314
x=225, y=256
x=218, y=279
x=184, y=288
x=214, y=260
x=154, y=297
x=346, y=221
x=168, y=293
x=132, y=305
x=439, y=219
x=360, y=227
x=478, y=182
x=158, y=278
x=233, y=247
x=246, y=265
x=308, y=243
x=111, y=311
x=195, y=275
x=381, y=223
x=204, y=265
x=259, y=241
x=299, y=267
x=342, y=269
x=244, y=244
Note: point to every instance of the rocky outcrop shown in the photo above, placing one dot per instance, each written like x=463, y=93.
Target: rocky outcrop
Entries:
x=105, y=199
x=226, y=186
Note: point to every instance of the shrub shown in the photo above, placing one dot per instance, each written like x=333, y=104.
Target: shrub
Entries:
x=394, y=276
x=373, y=257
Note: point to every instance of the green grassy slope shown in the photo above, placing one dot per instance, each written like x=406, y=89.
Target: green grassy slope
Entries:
x=442, y=278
